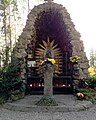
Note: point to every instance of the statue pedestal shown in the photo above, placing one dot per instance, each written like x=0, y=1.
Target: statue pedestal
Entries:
x=48, y=83
x=47, y=99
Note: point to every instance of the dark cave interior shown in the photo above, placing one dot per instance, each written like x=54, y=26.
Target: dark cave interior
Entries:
x=51, y=24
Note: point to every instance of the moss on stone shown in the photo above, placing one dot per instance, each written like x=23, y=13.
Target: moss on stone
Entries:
x=47, y=101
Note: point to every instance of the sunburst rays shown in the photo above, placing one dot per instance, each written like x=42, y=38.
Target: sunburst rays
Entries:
x=39, y=53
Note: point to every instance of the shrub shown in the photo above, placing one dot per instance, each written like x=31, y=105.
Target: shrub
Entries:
x=3, y=97
x=91, y=81
x=11, y=80
x=88, y=93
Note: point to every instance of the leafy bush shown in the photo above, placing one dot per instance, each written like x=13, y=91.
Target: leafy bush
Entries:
x=3, y=97
x=89, y=93
x=91, y=81
x=89, y=90
x=11, y=79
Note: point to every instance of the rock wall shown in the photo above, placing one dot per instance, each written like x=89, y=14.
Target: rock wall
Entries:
x=29, y=34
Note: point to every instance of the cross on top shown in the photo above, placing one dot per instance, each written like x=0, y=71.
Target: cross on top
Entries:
x=48, y=0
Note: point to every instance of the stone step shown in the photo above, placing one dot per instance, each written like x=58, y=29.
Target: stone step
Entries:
x=68, y=104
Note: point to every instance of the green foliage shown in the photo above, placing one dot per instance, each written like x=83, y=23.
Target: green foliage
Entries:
x=89, y=93
x=3, y=97
x=11, y=80
x=91, y=81
x=92, y=58
x=5, y=59
x=12, y=74
x=6, y=3
x=89, y=90
x=15, y=95
x=1, y=73
x=8, y=10
x=5, y=56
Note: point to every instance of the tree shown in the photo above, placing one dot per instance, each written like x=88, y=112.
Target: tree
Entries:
x=7, y=8
x=92, y=58
x=3, y=7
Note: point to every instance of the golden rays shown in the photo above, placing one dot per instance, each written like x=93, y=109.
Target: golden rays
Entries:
x=39, y=53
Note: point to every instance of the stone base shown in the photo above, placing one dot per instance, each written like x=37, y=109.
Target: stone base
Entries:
x=47, y=101
x=66, y=103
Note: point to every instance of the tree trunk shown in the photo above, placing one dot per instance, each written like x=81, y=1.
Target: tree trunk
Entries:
x=10, y=30
x=4, y=21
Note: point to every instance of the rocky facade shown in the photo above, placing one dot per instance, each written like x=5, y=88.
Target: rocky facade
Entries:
x=29, y=34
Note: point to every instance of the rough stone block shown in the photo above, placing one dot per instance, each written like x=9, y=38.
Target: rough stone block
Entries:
x=84, y=65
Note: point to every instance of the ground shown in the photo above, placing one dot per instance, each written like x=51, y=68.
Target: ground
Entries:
x=18, y=110
x=17, y=115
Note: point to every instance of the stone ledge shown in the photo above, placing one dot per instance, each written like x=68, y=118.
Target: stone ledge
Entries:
x=80, y=106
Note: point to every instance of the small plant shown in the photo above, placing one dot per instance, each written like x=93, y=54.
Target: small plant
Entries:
x=90, y=94
x=10, y=80
x=91, y=81
x=76, y=82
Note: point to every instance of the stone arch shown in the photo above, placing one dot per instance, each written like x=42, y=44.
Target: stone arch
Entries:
x=30, y=33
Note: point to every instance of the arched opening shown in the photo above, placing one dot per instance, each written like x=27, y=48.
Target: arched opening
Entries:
x=50, y=28
x=51, y=24
x=50, y=20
